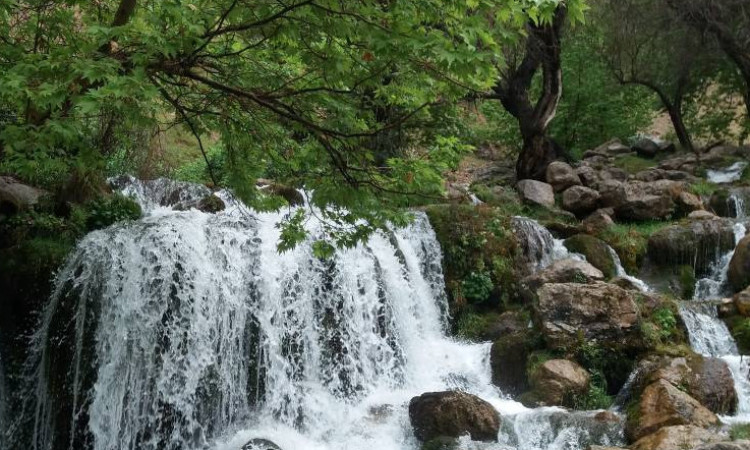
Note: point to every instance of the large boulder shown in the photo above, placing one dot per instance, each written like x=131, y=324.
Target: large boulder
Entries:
x=453, y=414
x=16, y=196
x=612, y=193
x=561, y=176
x=612, y=148
x=645, y=207
x=598, y=221
x=506, y=323
x=677, y=437
x=580, y=200
x=567, y=270
x=567, y=312
x=697, y=243
x=663, y=405
x=557, y=382
x=536, y=193
x=646, y=148
x=706, y=379
x=739, y=266
x=687, y=203
x=596, y=251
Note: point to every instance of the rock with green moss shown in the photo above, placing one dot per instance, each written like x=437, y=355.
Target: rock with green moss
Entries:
x=596, y=251
x=211, y=204
x=508, y=359
x=452, y=414
x=557, y=382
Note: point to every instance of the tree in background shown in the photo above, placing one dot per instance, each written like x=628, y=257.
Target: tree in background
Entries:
x=644, y=45
x=728, y=21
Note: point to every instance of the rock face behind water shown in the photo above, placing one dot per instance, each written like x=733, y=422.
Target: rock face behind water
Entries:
x=558, y=382
x=536, y=192
x=598, y=311
x=739, y=266
x=698, y=243
x=453, y=414
x=561, y=176
x=663, y=405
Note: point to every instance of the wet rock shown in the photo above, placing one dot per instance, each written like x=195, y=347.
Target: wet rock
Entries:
x=596, y=251
x=676, y=438
x=16, y=196
x=739, y=266
x=698, y=243
x=558, y=382
x=288, y=193
x=726, y=203
x=508, y=358
x=453, y=414
x=580, y=200
x=211, y=204
x=562, y=271
x=646, y=148
x=663, y=405
x=708, y=380
x=626, y=284
x=561, y=176
x=567, y=312
x=536, y=192
x=260, y=444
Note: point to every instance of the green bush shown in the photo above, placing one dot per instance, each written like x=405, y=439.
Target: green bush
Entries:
x=477, y=287
x=105, y=211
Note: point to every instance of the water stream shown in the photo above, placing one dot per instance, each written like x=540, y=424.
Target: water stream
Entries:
x=186, y=330
x=727, y=174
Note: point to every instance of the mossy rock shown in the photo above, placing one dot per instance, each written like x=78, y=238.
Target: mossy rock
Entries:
x=686, y=278
x=596, y=251
x=509, y=359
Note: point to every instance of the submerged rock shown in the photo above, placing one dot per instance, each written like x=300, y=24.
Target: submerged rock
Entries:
x=663, y=405
x=453, y=414
x=557, y=382
x=739, y=266
x=260, y=444
x=536, y=192
x=596, y=251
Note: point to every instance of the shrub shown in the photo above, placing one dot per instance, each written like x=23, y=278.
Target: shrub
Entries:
x=105, y=211
x=477, y=287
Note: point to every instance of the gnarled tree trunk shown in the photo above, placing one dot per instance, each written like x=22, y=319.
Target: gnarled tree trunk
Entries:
x=543, y=50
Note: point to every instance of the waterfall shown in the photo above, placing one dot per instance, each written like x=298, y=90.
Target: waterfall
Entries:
x=714, y=285
x=620, y=272
x=708, y=334
x=727, y=174
x=187, y=330
x=736, y=203
x=539, y=247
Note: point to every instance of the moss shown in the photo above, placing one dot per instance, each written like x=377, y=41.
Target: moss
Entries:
x=477, y=240
x=595, y=398
x=687, y=280
x=105, y=211
x=633, y=163
x=473, y=326
x=703, y=188
x=630, y=241
x=740, y=328
x=740, y=431
x=596, y=252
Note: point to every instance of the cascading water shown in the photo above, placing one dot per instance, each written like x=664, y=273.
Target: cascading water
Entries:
x=187, y=330
x=540, y=248
x=727, y=174
x=622, y=273
x=714, y=286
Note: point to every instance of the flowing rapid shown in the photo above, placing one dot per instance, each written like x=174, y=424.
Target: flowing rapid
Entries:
x=187, y=330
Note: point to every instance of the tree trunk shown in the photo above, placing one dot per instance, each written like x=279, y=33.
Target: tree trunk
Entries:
x=537, y=153
x=675, y=115
x=543, y=50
